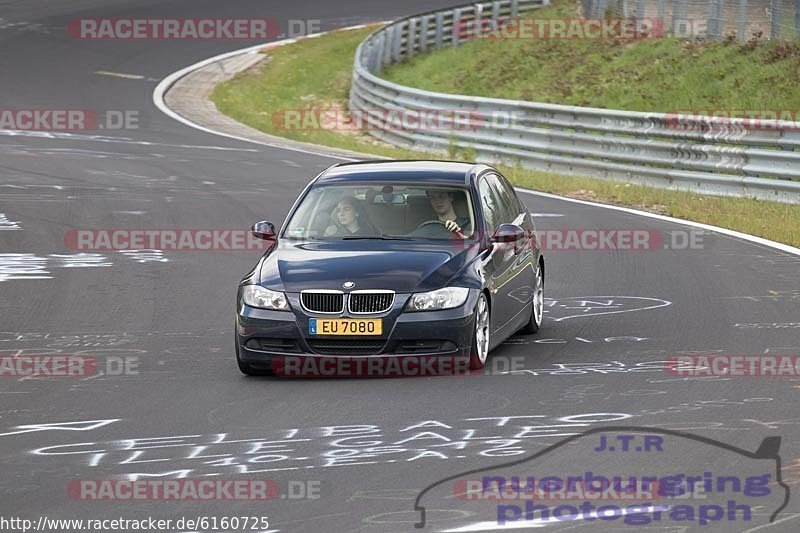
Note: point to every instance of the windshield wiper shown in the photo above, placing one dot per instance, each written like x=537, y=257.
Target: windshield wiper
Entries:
x=375, y=237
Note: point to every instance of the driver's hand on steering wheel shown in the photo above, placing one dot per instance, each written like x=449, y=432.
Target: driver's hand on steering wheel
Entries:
x=455, y=228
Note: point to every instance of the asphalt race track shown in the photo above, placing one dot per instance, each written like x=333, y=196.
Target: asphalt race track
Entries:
x=361, y=449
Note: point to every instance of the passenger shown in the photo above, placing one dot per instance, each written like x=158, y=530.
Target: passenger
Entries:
x=350, y=219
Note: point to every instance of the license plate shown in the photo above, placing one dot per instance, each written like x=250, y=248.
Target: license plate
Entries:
x=345, y=326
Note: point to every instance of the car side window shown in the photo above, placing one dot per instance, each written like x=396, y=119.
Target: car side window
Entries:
x=517, y=207
x=508, y=209
x=489, y=203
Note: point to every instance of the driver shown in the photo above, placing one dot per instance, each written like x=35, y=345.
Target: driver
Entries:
x=442, y=204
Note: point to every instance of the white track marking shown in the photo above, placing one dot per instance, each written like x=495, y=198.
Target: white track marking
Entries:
x=717, y=229
x=164, y=85
x=62, y=135
x=119, y=75
x=588, y=309
x=83, y=425
x=146, y=256
x=538, y=522
x=494, y=526
x=765, y=526
x=23, y=267
x=8, y=225
x=28, y=266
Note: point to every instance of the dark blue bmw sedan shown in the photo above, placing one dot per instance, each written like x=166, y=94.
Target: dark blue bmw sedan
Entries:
x=393, y=259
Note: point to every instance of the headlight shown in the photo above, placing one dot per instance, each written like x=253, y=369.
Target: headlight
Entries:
x=446, y=298
x=258, y=296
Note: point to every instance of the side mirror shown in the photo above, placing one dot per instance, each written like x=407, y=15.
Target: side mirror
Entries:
x=264, y=230
x=508, y=233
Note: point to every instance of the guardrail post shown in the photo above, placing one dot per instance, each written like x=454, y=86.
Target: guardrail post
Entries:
x=714, y=24
x=678, y=16
x=439, y=29
x=775, y=7
x=640, y=9
x=478, y=11
x=661, y=13
x=496, y=10
x=377, y=61
x=380, y=52
x=423, y=33
x=387, y=46
x=514, y=8
x=412, y=37
x=374, y=56
x=368, y=55
x=454, y=28
x=797, y=18
x=742, y=19
x=397, y=42
x=601, y=8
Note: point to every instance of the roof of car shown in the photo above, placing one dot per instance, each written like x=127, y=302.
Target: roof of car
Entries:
x=439, y=172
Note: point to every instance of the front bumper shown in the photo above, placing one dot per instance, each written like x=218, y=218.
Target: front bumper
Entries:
x=265, y=336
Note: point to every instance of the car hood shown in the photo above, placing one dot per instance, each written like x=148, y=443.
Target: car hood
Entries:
x=400, y=266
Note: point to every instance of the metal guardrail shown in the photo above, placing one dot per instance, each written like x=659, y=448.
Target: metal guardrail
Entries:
x=709, y=19
x=703, y=154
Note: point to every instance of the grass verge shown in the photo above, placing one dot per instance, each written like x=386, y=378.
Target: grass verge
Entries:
x=315, y=73
x=660, y=75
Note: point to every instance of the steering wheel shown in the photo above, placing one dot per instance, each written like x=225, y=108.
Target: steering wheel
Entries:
x=429, y=222
x=433, y=233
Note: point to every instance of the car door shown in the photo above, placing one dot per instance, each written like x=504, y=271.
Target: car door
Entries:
x=500, y=265
x=518, y=276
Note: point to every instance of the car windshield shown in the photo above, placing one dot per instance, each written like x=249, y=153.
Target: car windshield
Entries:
x=383, y=211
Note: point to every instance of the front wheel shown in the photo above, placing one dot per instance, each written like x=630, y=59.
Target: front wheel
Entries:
x=480, y=335
x=537, y=311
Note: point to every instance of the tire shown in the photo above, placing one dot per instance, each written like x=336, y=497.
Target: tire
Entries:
x=537, y=303
x=479, y=350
